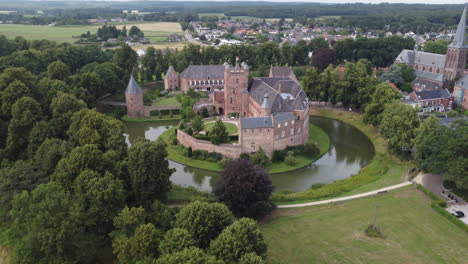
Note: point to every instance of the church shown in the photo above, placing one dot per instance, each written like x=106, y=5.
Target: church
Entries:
x=437, y=71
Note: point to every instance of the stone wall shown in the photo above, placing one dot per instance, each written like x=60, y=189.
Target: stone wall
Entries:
x=253, y=139
x=227, y=150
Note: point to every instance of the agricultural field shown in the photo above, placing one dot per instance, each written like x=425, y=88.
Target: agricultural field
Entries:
x=157, y=32
x=334, y=233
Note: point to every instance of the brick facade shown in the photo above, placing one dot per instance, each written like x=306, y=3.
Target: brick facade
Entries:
x=227, y=150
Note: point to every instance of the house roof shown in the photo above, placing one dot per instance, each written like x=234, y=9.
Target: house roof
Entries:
x=273, y=88
x=281, y=72
x=285, y=116
x=430, y=95
x=133, y=87
x=171, y=72
x=203, y=72
x=463, y=83
x=421, y=57
x=429, y=75
x=256, y=122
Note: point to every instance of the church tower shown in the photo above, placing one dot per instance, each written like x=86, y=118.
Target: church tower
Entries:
x=236, y=80
x=456, y=53
x=134, y=99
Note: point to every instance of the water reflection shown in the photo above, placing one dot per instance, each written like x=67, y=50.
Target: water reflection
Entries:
x=350, y=150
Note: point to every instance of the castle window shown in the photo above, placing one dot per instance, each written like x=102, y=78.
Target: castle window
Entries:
x=292, y=122
x=237, y=80
x=279, y=125
x=292, y=131
x=231, y=100
x=286, y=124
x=252, y=145
x=282, y=133
x=299, y=130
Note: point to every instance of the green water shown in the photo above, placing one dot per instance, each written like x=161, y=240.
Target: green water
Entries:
x=350, y=150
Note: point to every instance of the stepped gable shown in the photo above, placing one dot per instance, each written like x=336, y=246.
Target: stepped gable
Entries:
x=133, y=87
x=203, y=72
x=171, y=72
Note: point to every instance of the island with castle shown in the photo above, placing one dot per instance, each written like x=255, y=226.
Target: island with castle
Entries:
x=271, y=113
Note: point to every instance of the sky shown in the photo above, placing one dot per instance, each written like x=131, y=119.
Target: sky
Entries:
x=361, y=1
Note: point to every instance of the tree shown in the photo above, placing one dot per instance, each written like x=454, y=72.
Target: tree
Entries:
x=384, y=94
x=142, y=244
x=251, y=258
x=330, y=86
x=10, y=95
x=46, y=229
x=426, y=129
x=20, y=176
x=176, y=240
x=134, y=31
x=260, y=158
x=25, y=113
x=128, y=220
x=323, y=57
x=58, y=70
x=438, y=46
x=245, y=188
x=398, y=125
x=197, y=124
x=393, y=75
x=219, y=134
x=126, y=58
x=63, y=107
x=204, y=221
x=238, y=239
x=161, y=216
x=190, y=255
x=49, y=153
x=149, y=171
x=311, y=83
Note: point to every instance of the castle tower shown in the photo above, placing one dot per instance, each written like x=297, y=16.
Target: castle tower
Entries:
x=171, y=79
x=134, y=99
x=456, y=52
x=236, y=80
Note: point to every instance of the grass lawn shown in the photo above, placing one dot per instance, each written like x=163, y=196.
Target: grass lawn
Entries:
x=179, y=194
x=414, y=233
x=317, y=136
x=175, y=153
x=167, y=101
x=384, y=170
x=231, y=128
x=155, y=30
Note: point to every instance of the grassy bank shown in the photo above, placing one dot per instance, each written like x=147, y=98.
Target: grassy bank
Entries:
x=316, y=135
x=335, y=233
x=150, y=119
x=384, y=170
x=179, y=194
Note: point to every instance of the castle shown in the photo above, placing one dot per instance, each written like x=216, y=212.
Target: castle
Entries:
x=272, y=112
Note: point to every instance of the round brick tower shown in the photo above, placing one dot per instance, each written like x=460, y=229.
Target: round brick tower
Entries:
x=134, y=99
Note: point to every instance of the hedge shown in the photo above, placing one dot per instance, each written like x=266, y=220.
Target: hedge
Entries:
x=164, y=112
x=439, y=206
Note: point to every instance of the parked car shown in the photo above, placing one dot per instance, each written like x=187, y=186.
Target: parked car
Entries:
x=458, y=214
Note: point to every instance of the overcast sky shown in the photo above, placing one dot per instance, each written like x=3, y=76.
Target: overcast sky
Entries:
x=360, y=1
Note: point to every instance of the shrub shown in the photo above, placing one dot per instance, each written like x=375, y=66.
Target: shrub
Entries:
x=244, y=156
x=373, y=231
x=290, y=159
x=278, y=156
x=165, y=112
x=154, y=113
x=260, y=158
x=310, y=149
x=175, y=111
x=189, y=152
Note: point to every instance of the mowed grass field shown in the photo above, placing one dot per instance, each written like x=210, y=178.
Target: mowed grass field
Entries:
x=414, y=232
x=157, y=32
x=230, y=128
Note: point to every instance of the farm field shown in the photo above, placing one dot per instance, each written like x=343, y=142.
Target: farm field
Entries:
x=156, y=31
x=334, y=233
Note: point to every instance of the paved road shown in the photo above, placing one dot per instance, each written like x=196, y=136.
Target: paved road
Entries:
x=189, y=37
x=393, y=187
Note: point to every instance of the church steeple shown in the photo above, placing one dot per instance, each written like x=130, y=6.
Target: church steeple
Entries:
x=456, y=53
x=460, y=38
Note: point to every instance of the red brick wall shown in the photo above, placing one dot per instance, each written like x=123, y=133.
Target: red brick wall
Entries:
x=227, y=150
x=135, y=106
x=235, y=82
x=252, y=139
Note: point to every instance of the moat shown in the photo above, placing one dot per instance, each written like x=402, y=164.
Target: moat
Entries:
x=350, y=150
